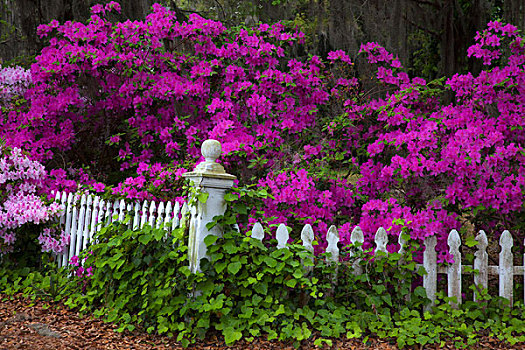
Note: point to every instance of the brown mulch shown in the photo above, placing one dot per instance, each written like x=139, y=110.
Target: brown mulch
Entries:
x=35, y=325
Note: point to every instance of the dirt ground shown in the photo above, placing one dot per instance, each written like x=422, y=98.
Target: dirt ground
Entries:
x=35, y=325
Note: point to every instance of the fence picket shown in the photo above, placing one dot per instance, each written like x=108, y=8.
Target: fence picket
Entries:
x=506, y=266
x=94, y=218
x=454, y=270
x=152, y=211
x=160, y=213
x=402, y=244
x=176, y=212
x=257, y=231
x=61, y=197
x=167, y=214
x=136, y=216
x=84, y=215
x=332, y=237
x=100, y=218
x=115, y=212
x=74, y=223
x=430, y=266
x=63, y=201
x=481, y=263
x=357, y=237
x=307, y=236
x=130, y=214
x=144, y=217
x=67, y=228
x=108, y=214
x=80, y=223
x=381, y=240
x=184, y=213
x=87, y=216
x=122, y=211
x=282, y=236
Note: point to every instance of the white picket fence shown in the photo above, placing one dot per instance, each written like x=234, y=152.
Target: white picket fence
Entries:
x=506, y=270
x=84, y=215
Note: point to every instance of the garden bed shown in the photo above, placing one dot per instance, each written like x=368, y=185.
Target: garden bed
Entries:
x=28, y=324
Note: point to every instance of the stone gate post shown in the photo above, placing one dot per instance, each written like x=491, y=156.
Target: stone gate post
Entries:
x=207, y=177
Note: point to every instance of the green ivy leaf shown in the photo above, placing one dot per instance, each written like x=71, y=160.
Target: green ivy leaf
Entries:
x=203, y=197
x=234, y=267
x=231, y=335
x=145, y=239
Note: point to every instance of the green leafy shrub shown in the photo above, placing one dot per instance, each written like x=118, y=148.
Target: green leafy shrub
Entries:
x=249, y=288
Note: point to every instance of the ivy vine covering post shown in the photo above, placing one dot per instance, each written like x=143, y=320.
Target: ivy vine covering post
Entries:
x=210, y=179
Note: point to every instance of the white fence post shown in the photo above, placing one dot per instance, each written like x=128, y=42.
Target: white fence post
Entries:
x=208, y=177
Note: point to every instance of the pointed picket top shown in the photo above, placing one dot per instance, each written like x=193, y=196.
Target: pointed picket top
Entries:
x=176, y=213
x=144, y=216
x=506, y=266
x=307, y=236
x=481, y=262
x=57, y=196
x=454, y=242
x=430, y=266
x=282, y=236
x=136, y=216
x=483, y=242
x=332, y=237
x=160, y=214
x=122, y=211
x=357, y=236
x=258, y=232
x=506, y=241
x=381, y=240
x=152, y=210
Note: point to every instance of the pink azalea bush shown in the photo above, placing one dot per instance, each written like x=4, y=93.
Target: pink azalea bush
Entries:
x=422, y=157
x=20, y=203
x=437, y=164
x=14, y=81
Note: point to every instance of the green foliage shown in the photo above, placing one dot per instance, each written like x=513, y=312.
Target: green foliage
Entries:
x=48, y=282
x=249, y=288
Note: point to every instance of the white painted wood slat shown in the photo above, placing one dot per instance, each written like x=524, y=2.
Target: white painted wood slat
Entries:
x=506, y=265
x=282, y=236
x=481, y=263
x=258, y=232
x=430, y=266
x=454, y=269
x=357, y=237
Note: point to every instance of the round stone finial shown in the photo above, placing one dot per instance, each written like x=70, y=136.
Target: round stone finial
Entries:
x=211, y=150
